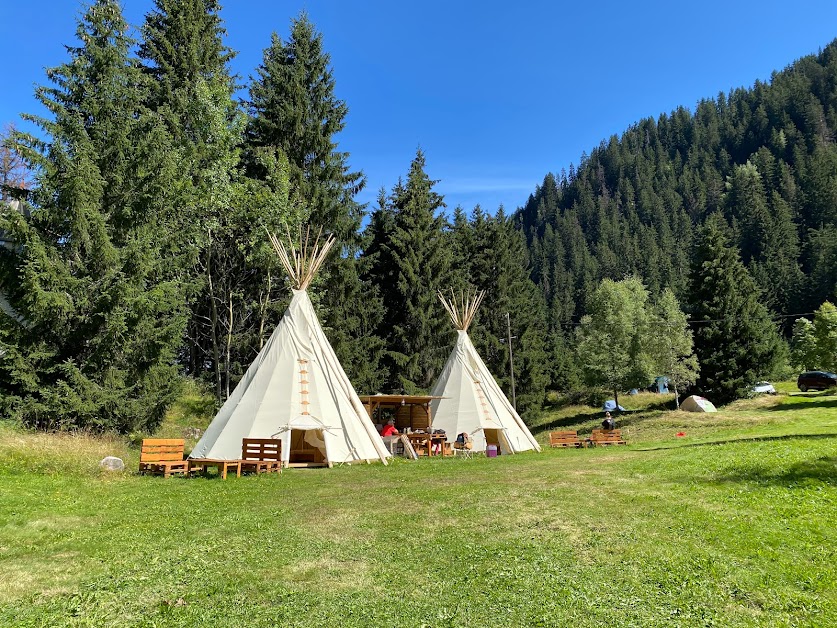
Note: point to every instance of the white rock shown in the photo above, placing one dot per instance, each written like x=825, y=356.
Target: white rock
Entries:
x=112, y=463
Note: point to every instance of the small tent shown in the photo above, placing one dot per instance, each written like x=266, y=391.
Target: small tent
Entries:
x=468, y=398
x=697, y=404
x=296, y=390
x=660, y=385
x=610, y=406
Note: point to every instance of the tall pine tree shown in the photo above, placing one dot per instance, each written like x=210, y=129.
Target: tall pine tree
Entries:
x=491, y=254
x=410, y=263
x=237, y=295
x=736, y=342
x=293, y=108
x=101, y=313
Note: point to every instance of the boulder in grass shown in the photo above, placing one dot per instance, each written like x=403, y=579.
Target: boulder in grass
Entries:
x=192, y=432
x=112, y=463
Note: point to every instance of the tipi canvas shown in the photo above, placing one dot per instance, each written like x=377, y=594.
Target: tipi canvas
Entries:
x=470, y=400
x=296, y=390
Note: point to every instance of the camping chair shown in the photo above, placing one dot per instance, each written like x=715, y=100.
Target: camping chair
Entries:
x=463, y=453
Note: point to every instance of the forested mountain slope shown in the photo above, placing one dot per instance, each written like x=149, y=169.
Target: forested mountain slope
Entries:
x=765, y=158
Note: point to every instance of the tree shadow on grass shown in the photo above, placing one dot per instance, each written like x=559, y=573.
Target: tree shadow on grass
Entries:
x=663, y=405
x=743, y=439
x=823, y=469
x=623, y=419
x=811, y=405
x=198, y=406
x=568, y=421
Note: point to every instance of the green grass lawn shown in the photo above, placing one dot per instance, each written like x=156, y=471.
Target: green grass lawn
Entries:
x=729, y=525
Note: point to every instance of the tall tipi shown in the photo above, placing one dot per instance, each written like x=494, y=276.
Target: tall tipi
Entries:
x=296, y=390
x=470, y=399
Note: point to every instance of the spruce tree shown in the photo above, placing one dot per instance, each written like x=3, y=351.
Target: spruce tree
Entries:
x=498, y=265
x=293, y=108
x=182, y=43
x=411, y=263
x=237, y=293
x=187, y=61
x=100, y=311
x=736, y=342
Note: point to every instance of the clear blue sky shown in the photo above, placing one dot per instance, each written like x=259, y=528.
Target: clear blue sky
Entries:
x=497, y=94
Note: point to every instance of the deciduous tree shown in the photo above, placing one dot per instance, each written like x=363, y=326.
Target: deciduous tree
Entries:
x=675, y=349
x=614, y=343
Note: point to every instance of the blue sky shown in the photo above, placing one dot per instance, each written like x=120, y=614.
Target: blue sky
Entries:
x=497, y=94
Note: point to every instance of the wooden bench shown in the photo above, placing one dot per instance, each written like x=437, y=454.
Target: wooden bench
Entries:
x=607, y=437
x=163, y=455
x=261, y=455
x=564, y=439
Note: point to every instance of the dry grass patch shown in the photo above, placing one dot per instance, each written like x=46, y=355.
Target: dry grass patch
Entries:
x=329, y=574
x=47, y=576
x=61, y=452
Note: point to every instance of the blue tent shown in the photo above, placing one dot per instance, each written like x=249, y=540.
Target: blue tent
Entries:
x=660, y=384
x=610, y=405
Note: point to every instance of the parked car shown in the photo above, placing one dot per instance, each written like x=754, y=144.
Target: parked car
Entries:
x=816, y=380
x=764, y=387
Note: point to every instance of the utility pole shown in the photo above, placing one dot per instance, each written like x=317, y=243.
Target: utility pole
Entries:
x=511, y=360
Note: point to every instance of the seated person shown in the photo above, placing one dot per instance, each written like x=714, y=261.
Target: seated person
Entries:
x=463, y=441
x=608, y=422
x=389, y=429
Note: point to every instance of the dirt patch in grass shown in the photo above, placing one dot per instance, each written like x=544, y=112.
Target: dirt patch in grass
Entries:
x=328, y=574
x=54, y=575
x=56, y=523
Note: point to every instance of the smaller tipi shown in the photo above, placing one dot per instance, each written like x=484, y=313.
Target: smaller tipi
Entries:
x=470, y=400
x=296, y=390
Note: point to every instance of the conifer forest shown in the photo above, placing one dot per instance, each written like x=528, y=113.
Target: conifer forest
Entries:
x=690, y=245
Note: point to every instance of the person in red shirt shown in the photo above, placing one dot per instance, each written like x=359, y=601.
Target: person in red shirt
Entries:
x=389, y=429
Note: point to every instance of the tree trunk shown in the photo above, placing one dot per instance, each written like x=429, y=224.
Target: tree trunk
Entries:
x=228, y=348
x=216, y=358
x=263, y=311
x=616, y=399
x=676, y=397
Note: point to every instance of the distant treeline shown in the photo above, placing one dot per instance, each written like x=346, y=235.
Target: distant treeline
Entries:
x=765, y=159
x=141, y=255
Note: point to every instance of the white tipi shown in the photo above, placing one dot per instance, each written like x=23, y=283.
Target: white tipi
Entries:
x=296, y=390
x=471, y=401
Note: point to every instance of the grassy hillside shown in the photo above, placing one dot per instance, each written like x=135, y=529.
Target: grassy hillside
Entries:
x=729, y=525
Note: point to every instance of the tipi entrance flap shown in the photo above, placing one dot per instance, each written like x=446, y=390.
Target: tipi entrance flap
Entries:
x=308, y=422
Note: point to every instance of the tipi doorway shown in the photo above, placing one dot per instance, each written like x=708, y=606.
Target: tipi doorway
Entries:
x=307, y=448
x=497, y=437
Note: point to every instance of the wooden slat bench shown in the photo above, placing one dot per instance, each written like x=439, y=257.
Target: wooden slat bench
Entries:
x=261, y=455
x=607, y=437
x=163, y=455
x=564, y=439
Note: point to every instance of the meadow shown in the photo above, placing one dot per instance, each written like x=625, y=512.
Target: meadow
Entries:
x=728, y=525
